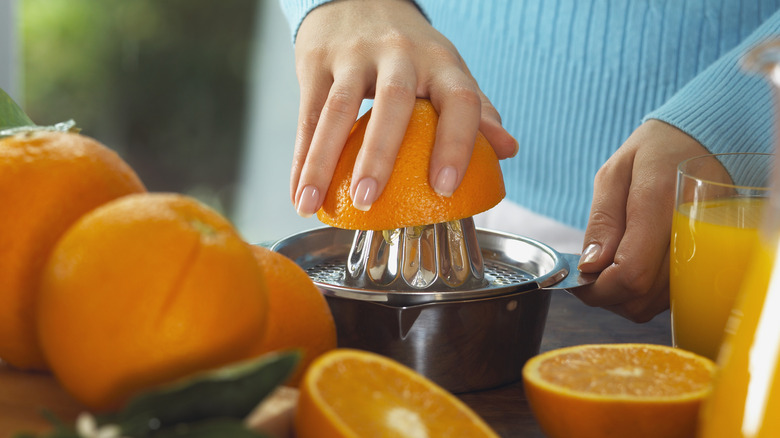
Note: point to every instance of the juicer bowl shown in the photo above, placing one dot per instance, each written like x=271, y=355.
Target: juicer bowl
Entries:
x=464, y=339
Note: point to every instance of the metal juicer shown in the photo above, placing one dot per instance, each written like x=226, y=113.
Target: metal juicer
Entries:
x=465, y=307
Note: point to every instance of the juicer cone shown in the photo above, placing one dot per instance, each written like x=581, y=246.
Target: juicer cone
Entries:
x=436, y=256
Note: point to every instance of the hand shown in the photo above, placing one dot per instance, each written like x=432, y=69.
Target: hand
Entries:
x=629, y=230
x=349, y=50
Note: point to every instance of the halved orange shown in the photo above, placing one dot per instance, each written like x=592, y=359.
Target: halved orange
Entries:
x=408, y=198
x=353, y=393
x=617, y=390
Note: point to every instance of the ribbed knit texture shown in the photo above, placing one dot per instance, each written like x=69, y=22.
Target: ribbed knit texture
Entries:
x=725, y=109
x=573, y=78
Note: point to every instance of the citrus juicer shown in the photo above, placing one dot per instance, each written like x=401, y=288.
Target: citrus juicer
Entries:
x=438, y=256
x=465, y=307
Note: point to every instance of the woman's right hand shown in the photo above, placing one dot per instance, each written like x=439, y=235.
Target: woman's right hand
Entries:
x=349, y=50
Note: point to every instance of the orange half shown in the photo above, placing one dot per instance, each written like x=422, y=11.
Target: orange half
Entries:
x=408, y=198
x=617, y=390
x=352, y=393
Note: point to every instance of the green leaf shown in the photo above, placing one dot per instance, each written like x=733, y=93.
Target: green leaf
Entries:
x=13, y=120
x=219, y=428
x=11, y=115
x=229, y=392
x=57, y=432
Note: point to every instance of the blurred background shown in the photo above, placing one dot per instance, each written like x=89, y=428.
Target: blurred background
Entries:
x=200, y=97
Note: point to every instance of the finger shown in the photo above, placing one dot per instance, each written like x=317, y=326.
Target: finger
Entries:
x=490, y=125
x=626, y=289
x=640, y=270
x=642, y=256
x=335, y=122
x=315, y=79
x=393, y=104
x=644, y=307
x=459, y=108
x=607, y=220
x=314, y=93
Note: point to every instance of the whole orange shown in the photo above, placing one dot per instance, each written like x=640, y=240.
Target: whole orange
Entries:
x=144, y=290
x=47, y=181
x=298, y=315
x=408, y=198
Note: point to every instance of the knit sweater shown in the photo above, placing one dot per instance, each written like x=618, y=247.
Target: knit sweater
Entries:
x=573, y=78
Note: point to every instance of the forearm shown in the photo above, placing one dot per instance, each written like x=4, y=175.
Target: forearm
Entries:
x=726, y=108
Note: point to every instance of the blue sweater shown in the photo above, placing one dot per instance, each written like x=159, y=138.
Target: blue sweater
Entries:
x=573, y=78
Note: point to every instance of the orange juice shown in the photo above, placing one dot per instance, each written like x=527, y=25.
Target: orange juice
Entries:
x=712, y=242
x=746, y=398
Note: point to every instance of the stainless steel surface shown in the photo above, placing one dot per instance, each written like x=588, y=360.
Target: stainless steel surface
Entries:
x=461, y=345
x=463, y=338
x=430, y=257
x=511, y=263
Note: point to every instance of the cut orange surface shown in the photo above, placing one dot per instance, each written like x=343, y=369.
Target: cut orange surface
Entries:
x=408, y=198
x=352, y=393
x=617, y=390
x=47, y=181
x=144, y=290
x=298, y=315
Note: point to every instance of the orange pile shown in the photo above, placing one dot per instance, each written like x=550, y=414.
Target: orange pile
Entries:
x=408, y=198
x=352, y=393
x=617, y=390
x=47, y=181
x=299, y=316
x=144, y=290
x=117, y=290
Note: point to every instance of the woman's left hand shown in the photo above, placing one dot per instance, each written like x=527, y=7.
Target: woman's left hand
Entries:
x=629, y=228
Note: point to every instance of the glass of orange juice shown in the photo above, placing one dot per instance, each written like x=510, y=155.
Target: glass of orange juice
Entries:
x=718, y=209
x=746, y=395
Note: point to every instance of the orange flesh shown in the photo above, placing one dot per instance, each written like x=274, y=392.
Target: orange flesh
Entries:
x=372, y=400
x=638, y=373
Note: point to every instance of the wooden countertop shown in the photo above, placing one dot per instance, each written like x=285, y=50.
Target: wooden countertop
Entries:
x=24, y=395
x=569, y=322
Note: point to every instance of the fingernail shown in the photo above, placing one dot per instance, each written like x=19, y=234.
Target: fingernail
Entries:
x=446, y=181
x=309, y=201
x=365, y=194
x=590, y=254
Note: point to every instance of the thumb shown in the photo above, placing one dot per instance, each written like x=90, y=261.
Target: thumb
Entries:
x=607, y=220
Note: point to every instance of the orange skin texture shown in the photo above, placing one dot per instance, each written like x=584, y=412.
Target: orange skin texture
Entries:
x=144, y=290
x=349, y=393
x=298, y=315
x=47, y=181
x=625, y=419
x=408, y=198
x=567, y=413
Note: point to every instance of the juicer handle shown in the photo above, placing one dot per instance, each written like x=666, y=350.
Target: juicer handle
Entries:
x=574, y=277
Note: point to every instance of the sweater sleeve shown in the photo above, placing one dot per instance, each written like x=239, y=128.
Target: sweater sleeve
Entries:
x=726, y=108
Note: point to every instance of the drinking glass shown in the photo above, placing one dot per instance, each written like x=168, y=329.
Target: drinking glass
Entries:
x=718, y=209
x=746, y=394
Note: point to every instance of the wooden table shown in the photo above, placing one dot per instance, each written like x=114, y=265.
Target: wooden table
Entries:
x=23, y=395
x=569, y=322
